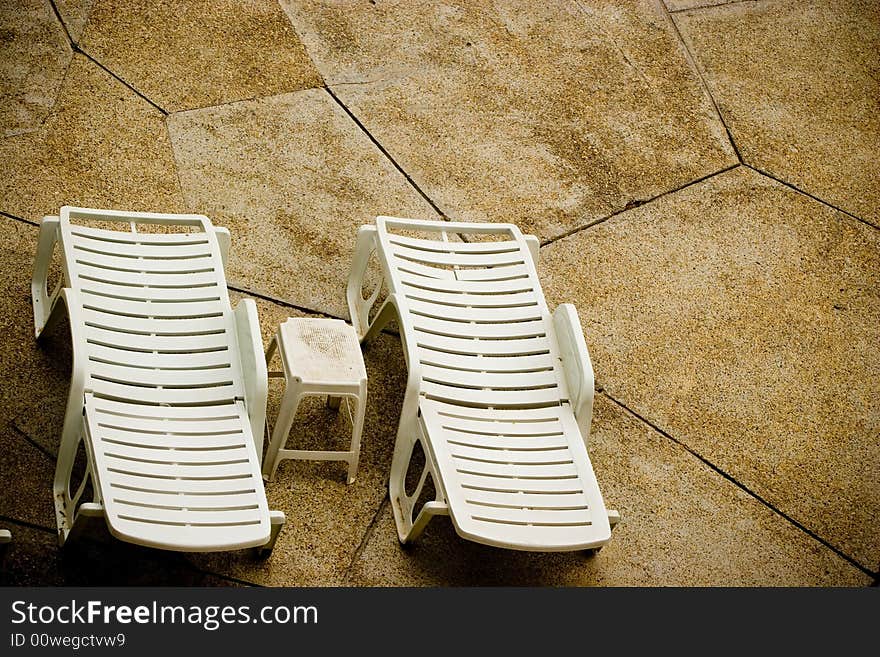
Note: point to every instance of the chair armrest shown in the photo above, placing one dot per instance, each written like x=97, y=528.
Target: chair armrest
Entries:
x=576, y=364
x=253, y=367
x=43, y=302
x=358, y=307
x=224, y=239
x=534, y=245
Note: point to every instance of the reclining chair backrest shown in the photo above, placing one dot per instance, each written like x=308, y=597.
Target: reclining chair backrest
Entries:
x=482, y=331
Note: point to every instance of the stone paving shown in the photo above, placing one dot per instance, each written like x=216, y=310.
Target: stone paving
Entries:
x=701, y=174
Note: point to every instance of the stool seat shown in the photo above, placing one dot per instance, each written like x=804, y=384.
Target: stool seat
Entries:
x=321, y=351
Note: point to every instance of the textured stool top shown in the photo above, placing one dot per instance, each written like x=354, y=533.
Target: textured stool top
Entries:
x=321, y=351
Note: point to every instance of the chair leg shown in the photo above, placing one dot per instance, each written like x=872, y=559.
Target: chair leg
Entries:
x=356, y=431
x=276, y=520
x=409, y=529
x=281, y=430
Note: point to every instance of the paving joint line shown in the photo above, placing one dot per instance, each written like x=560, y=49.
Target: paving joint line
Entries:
x=368, y=534
x=637, y=204
x=385, y=152
x=20, y=219
x=742, y=487
x=30, y=525
x=281, y=302
x=721, y=4
x=228, y=578
x=123, y=82
x=45, y=452
x=693, y=63
x=63, y=24
x=809, y=195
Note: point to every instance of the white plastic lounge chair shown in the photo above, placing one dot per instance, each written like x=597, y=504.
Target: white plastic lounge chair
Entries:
x=499, y=392
x=168, y=388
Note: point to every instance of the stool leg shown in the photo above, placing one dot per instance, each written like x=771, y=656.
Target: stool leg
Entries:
x=356, y=431
x=289, y=405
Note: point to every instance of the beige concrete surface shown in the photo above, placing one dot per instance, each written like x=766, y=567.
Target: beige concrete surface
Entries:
x=743, y=318
x=292, y=177
x=34, y=54
x=102, y=146
x=193, y=54
x=732, y=320
x=548, y=115
x=683, y=525
x=798, y=84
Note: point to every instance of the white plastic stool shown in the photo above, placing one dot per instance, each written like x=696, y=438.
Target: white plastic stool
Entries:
x=319, y=357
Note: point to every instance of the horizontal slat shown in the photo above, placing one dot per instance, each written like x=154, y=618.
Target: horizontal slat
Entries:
x=483, y=347
x=454, y=247
x=171, y=516
x=151, y=308
x=245, y=482
x=432, y=308
x=139, y=238
x=474, y=397
x=471, y=300
x=140, y=469
x=512, y=484
x=180, y=396
x=202, y=458
x=138, y=279
x=492, y=428
x=166, y=343
x=494, y=380
x=177, y=294
x=489, y=331
x=201, y=429
x=531, y=516
x=515, y=443
x=164, y=361
x=458, y=259
x=518, y=471
x=485, y=363
x=146, y=250
x=492, y=273
x=548, y=457
x=452, y=413
x=529, y=500
x=194, y=502
x=188, y=442
x=161, y=326
x=472, y=287
x=183, y=266
x=174, y=378
x=425, y=270
x=185, y=415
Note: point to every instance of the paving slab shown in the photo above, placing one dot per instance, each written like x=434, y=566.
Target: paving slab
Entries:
x=683, y=525
x=292, y=177
x=34, y=54
x=190, y=54
x=326, y=518
x=548, y=115
x=34, y=559
x=743, y=318
x=798, y=85
x=102, y=146
x=75, y=14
